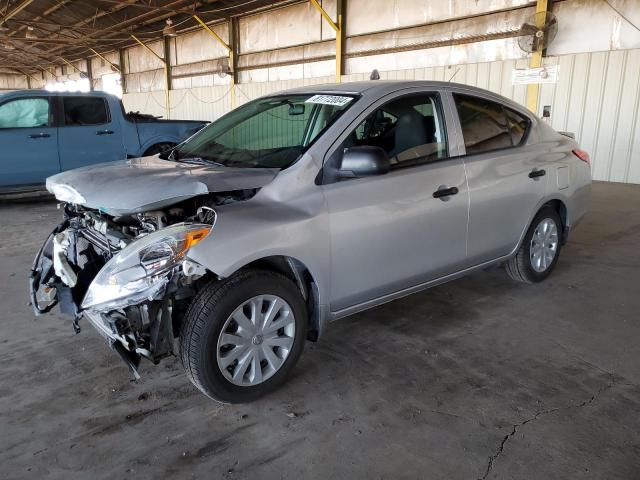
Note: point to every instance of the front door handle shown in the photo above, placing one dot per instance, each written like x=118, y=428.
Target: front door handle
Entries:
x=537, y=173
x=39, y=135
x=104, y=132
x=443, y=193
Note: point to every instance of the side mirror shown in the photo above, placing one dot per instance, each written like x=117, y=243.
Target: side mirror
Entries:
x=363, y=161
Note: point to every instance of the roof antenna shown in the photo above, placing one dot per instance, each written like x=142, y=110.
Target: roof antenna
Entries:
x=375, y=75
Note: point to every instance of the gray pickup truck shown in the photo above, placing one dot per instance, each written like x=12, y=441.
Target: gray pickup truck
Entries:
x=43, y=133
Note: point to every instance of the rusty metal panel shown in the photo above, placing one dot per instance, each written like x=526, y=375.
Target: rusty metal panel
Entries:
x=392, y=14
x=199, y=45
x=100, y=67
x=139, y=59
x=284, y=27
x=145, y=81
x=500, y=49
x=591, y=26
x=12, y=82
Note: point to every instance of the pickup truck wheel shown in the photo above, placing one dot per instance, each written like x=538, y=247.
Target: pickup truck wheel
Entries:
x=158, y=148
x=242, y=336
x=540, y=249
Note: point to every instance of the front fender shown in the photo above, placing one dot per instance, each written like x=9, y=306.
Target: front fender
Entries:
x=248, y=231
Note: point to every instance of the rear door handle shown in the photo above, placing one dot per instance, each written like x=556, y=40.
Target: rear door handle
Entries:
x=537, y=173
x=39, y=135
x=443, y=192
x=104, y=132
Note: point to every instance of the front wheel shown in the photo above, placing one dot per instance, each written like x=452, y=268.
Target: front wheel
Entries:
x=540, y=249
x=242, y=336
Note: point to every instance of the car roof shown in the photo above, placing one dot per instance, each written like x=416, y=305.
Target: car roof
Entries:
x=29, y=93
x=379, y=88
x=377, y=85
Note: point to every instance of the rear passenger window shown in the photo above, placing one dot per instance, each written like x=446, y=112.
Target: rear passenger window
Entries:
x=484, y=124
x=518, y=126
x=85, y=111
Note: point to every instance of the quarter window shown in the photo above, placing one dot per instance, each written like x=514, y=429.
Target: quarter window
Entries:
x=484, y=124
x=409, y=129
x=84, y=111
x=25, y=113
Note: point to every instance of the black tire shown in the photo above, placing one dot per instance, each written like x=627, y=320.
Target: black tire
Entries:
x=205, y=318
x=158, y=148
x=519, y=267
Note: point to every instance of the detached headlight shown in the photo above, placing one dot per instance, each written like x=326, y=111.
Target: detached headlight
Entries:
x=141, y=270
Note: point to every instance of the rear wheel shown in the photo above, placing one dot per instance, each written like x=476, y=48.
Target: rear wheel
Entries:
x=158, y=148
x=242, y=336
x=540, y=248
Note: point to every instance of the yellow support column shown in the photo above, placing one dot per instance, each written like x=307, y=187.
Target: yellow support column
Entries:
x=337, y=27
x=536, y=62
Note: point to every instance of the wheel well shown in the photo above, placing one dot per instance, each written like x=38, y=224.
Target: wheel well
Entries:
x=561, y=208
x=298, y=273
x=157, y=148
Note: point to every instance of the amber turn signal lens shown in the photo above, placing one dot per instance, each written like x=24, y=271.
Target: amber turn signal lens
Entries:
x=195, y=236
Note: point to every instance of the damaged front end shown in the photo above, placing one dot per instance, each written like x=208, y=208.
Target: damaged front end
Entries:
x=129, y=276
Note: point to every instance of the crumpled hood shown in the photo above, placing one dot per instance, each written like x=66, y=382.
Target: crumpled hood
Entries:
x=142, y=184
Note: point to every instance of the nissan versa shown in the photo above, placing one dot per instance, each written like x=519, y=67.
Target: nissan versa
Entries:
x=301, y=208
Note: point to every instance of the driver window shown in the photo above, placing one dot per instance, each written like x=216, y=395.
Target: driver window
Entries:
x=409, y=129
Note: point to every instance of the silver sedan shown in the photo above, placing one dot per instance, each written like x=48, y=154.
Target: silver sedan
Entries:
x=301, y=208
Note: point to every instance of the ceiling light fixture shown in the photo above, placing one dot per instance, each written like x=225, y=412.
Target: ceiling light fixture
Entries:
x=169, y=30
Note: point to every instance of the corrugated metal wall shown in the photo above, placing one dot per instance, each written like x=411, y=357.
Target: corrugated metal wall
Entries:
x=597, y=97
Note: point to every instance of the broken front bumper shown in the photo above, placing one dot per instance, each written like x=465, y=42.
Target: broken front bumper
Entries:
x=134, y=331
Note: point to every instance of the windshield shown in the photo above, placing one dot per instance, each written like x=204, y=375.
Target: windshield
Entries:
x=270, y=132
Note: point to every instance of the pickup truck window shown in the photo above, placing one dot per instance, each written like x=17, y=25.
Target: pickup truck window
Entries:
x=85, y=111
x=25, y=113
x=270, y=132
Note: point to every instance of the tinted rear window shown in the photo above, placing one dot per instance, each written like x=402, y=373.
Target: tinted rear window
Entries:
x=85, y=111
x=484, y=124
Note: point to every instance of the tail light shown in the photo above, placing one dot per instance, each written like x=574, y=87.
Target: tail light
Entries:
x=582, y=155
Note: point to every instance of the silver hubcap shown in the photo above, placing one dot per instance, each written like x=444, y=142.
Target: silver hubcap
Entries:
x=544, y=245
x=256, y=340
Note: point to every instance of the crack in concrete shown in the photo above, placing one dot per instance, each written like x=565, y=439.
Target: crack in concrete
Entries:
x=514, y=427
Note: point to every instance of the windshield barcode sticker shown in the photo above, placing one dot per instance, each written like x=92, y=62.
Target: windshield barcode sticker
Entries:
x=336, y=100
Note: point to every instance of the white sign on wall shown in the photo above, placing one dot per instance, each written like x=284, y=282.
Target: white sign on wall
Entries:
x=525, y=76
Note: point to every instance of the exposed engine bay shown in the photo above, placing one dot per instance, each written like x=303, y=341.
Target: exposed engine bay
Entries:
x=128, y=275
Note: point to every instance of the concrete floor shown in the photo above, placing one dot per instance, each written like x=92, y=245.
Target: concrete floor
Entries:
x=480, y=378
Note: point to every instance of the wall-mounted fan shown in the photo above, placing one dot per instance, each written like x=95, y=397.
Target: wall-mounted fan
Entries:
x=536, y=34
x=222, y=67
